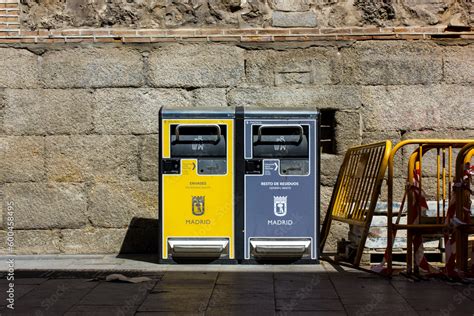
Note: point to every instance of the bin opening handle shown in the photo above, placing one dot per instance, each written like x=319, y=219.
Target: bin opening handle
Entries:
x=297, y=127
x=216, y=126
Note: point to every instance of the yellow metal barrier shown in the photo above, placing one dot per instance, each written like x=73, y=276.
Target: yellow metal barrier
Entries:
x=357, y=189
x=416, y=226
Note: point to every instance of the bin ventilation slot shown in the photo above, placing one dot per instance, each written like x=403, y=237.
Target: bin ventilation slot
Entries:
x=198, y=248
x=280, y=248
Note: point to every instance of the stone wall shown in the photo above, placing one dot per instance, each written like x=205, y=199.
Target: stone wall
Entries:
x=54, y=14
x=79, y=128
x=81, y=84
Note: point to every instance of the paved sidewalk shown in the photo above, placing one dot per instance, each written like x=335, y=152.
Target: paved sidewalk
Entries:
x=324, y=289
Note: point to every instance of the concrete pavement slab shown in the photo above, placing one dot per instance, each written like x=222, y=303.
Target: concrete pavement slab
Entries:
x=240, y=278
x=244, y=310
x=29, y=281
x=307, y=313
x=190, y=276
x=54, y=296
x=301, y=276
x=20, y=290
x=380, y=308
x=156, y=302
x=118, y=294
x=96, y=310
x=296, y=304
x=282, y=293
x=169, y=314
x=227, y=290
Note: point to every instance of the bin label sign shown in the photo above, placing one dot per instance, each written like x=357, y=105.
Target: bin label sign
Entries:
x=280, y=205
x=198, y=205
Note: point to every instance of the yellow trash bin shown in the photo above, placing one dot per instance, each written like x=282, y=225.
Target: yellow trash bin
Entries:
x=196, y=184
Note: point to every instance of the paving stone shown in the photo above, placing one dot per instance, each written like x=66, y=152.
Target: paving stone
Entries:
x=295, y=304
x=305, y=292
x=467, y=291
x=57, y=310
x=244, y=288
x=47, y=111
x=244, y=298
x=247, y=300
x=170, y=313
x=25, y=281
x=118, y=294
x=239, y=278
x=443, y=306
x=374, y=307
x=92, y=67
x=156, y=302
x=204, y=284
x=387, y=313
x=20, y=290
x=300, y=276
x=173, y=276
x=55, y=296
x=312, y=283
x=96, y=310
x=182, y=292
x=448, y=310
x=196, y=66
x=361, y=298
x=239, y=310
x=319, y=313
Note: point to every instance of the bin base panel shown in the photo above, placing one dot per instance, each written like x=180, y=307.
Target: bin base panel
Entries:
x=268, y=248
x=279, y=261
x=193, y=261
x=198, y=248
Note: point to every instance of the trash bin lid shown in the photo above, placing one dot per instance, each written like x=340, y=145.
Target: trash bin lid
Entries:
x=197, y=112
x=303, y=113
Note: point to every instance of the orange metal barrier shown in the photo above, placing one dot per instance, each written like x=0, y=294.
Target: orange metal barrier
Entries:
x=357, y=189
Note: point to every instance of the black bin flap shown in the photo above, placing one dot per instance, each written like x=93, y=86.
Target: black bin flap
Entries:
x=198, y=141
x=273, y=141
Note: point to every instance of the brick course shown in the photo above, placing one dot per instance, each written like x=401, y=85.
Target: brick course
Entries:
x=10, y=35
